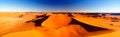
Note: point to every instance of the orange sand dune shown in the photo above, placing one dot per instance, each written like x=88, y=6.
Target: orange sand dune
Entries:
x=10, y=22
x=99, y=22
x=57, y=25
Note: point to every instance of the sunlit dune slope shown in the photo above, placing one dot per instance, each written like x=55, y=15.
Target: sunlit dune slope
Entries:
x=105, y=34
x=10, y=22
x=98, y=22
x=56, y=20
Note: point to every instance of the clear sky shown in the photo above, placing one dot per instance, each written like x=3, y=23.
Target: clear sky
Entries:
x=60, y=5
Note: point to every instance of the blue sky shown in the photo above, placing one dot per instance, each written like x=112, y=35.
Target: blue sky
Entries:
x=60, y=5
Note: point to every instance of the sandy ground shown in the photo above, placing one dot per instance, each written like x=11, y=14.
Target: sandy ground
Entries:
x=10, y=20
